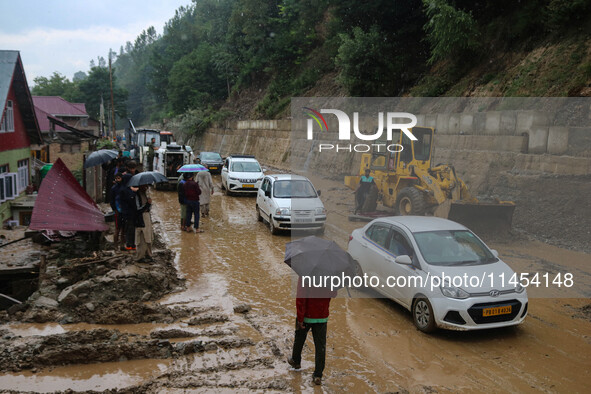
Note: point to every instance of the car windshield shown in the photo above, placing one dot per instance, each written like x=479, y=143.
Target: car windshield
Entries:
x=293, y=189
x=210, y=156
x=453, y=248
x=246, y=166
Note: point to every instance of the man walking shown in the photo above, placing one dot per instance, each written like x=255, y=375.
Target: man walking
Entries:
x=312, y=314
x=206, y=185
x=192, y=192
x=151, y=154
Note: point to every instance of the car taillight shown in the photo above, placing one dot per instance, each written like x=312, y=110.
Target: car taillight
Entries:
x=350, y=238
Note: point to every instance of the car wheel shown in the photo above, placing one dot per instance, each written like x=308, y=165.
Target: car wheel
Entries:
x=358, y=271
x=422, y=315
x=259, y=217
x=274, y=230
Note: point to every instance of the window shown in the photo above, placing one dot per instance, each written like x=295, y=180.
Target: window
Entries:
x=8, y=189
x=23, y=174
x=378, y=233
x=399, y=245
x=266, y=185
x=7, y=123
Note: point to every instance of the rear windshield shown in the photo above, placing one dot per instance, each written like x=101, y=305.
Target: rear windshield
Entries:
x=293, y=189
x=210, y=156
x=246, y=166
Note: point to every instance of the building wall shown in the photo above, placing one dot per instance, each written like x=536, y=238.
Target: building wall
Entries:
x=72, y=156
x=18, y=138
x=11, y=158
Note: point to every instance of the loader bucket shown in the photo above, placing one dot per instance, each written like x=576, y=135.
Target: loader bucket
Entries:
x=488, y=219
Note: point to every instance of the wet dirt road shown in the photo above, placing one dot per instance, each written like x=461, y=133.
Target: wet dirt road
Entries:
x=372, y=343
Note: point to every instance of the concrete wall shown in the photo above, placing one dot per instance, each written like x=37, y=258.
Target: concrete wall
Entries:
x=479, y=145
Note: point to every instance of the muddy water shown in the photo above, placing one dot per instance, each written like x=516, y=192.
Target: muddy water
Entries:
x=372, y=343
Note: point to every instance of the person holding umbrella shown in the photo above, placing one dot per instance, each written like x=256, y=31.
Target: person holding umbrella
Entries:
x=192, y=192
x=314, y=257
x=312, y=305
x=127, y=195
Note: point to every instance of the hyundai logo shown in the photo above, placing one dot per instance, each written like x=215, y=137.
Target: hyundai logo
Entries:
x=494, y=293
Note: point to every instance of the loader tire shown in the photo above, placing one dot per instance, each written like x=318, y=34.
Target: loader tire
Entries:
x=410, y=201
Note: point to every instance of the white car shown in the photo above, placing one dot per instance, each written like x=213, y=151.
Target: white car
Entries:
x=440, y=271
x=290, y=202
x=241, y=174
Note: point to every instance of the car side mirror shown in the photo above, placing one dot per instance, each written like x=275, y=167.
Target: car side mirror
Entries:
x=495, y=253
x=403, y=259
x=267, y=193
x=319, y=192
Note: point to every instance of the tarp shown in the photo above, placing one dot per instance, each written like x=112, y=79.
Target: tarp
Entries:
x=63, y=205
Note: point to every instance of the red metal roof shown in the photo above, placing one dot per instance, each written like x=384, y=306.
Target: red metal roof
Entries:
x=57, y=106
x=63, y=205
x=44, y=124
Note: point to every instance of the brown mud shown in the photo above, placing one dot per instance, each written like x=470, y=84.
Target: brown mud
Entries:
x=215, y=312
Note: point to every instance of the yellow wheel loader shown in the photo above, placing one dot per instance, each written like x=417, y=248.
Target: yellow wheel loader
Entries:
x=408, y=182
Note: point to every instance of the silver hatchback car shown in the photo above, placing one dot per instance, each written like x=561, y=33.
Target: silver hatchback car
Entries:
x=439, y=270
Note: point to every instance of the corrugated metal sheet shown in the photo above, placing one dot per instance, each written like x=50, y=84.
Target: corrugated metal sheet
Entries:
x=7, y=64
x=57, y=106
x=63, y=205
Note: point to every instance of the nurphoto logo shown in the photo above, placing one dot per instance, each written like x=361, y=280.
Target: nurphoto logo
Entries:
x=390, y=119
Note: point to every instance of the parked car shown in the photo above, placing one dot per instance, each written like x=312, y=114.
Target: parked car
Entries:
x=290, y=202
x=241, y=174
x=213, y=160
x=428, y=255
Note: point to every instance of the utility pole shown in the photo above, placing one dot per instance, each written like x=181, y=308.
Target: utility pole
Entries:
x=112, y=103
x=102, y=118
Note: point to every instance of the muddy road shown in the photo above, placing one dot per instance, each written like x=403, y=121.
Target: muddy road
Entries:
x=236, y=264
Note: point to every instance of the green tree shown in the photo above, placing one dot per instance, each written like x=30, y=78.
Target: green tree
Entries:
x=56, y=85
x=368, y=64
x=452, y=33
x=97, y=85
x=194, y=82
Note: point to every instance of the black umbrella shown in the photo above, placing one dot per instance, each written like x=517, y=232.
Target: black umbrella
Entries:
x=146, y=178
x=100, y=157
x=313, y=256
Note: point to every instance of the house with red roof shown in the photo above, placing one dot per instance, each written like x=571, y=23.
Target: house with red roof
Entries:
x=66, y=128
x=19, y=129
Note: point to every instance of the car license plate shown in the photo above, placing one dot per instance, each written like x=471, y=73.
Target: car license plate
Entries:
x=247, y=185
x=499, y=310
x=302, y=220
x=213, y=168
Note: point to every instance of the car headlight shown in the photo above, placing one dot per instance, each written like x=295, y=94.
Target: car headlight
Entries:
x=283, y=212
x=232, y=179
x=321, y=211
x=453, y=292
x=519, y=288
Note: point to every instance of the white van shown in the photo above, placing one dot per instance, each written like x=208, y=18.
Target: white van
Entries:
x=290, y=202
